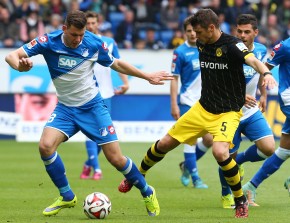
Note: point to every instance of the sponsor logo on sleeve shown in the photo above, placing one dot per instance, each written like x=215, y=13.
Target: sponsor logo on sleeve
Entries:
x=105, y=46
x=277, y=47
x=174, y=57
x=241, y=46
x=31, y=44
x=111, y=130
x=173, y=66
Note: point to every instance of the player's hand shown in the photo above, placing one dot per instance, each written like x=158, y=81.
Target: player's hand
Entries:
x=269, y=82
x=263, y=103
x=250, y=101
x=158, y=78
x=121, y=89
x=25, y=64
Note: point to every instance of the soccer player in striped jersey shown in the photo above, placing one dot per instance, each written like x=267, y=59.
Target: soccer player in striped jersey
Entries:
x=71, y=54
x=253, y=124
x=218, y=110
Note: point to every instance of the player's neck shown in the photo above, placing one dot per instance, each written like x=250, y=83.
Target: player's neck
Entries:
x=216, y=35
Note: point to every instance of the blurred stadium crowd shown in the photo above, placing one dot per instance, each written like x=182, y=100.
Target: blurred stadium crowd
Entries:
x=139, y=24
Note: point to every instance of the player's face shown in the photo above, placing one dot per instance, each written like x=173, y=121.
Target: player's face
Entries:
x=92, y=25
x=73, y=36
x=247, y=34
x=204, y=35
x=190, y=35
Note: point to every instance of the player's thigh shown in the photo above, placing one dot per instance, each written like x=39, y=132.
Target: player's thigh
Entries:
x=256, y=127
x=189, y=126
x=223, y=126
x=62, y=119
x=96, y=123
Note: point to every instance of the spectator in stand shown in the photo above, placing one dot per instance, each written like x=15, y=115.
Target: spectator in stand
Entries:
x=272, y=33
x=263, y=9
x=53, y=7
x=31, y=27
x=9, y=30
x=104, y=25
x=74, y=5
x=144, y=14
x=85, y=5
x=27, y=6
x=283, y=13
x=169, y=17
x=126, y=33
x=55, y=23
x=215, y=5
x=152, y=40
x=176, y=40
x=239, y=7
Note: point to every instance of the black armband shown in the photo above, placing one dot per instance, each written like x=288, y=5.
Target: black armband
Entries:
x=264, y=74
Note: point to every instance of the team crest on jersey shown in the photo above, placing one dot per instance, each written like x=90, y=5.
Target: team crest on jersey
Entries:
x=103, y=131
x=85, y=52
x=111, y=129
x=219, y=52
x=272, y=55
x=43, y=39
x=68, y=62
x=31, y=44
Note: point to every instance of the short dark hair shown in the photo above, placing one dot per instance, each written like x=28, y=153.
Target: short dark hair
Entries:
x=92, y=14
x=205, y=17
x=245, y=19
x=187, y=22
x=76, y=18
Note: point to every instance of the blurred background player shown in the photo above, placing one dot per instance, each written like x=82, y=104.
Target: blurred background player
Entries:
x=279, y=56
x=252, y=124
x=105, y=84
x=185, y=64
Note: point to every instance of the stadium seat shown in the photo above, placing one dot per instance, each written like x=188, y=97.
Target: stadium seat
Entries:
x=166, y=36
x=115, y=18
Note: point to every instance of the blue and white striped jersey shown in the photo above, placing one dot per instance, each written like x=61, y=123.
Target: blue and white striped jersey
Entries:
x=280, y=56
x=71, y=70
x=185, y=63
x=252, y=78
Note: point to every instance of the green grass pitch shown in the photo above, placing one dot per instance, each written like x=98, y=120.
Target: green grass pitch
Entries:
x=25, y=188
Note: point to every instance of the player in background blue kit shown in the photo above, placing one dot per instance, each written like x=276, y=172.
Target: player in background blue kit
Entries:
x=185, y=64
x=252, y=124
x=104, y=80
x=71, y=54
x=279, y=56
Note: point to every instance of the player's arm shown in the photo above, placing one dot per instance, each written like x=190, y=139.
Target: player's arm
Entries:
x=18, y=60
x=155, y=78
x=173, y=98
x=262, y=69
x=263, y=97
x=123, y=88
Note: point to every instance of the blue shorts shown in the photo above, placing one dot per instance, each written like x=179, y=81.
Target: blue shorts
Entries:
x=92, y=118
x=254, y=128
x=286, y=125
x=183, y=108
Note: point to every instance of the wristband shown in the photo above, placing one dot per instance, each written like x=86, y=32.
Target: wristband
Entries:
x=264, y=74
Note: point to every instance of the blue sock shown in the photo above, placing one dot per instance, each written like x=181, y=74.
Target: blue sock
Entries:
x=251, y=154
x=190, y=165
x=133, y=175
x=225, y=187
x=55, y=169
x=92, y=151
x=199, y=151
x=270, y=166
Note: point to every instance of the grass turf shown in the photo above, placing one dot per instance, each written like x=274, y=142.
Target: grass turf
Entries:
x=25, y=188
